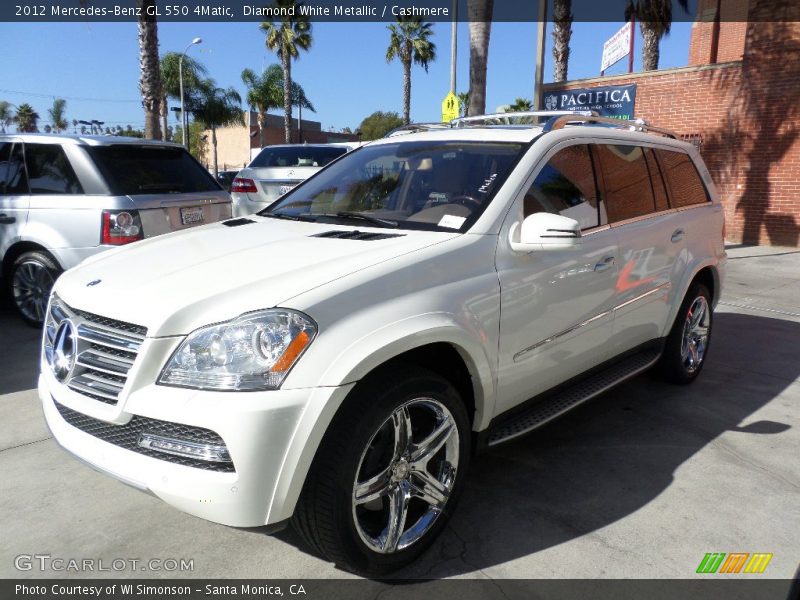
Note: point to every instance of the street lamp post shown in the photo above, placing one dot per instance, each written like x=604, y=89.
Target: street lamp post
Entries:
x=196, y=40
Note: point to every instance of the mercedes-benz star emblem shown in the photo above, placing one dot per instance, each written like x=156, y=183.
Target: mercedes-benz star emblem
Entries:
x=62, y=360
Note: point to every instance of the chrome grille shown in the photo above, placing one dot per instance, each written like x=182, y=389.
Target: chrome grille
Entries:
x=106, y=350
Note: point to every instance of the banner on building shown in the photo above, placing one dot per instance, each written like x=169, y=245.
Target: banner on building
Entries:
x=617, y=46
x=615, y=101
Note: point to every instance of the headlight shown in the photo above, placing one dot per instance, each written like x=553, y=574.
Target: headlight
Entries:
x=252, y=352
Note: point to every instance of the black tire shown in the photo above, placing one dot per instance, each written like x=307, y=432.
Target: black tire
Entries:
x=326, y=514
x=30, y=281
x=675, y=366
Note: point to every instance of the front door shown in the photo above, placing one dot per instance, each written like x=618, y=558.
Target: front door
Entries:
x=14, y=195
x=556, y=305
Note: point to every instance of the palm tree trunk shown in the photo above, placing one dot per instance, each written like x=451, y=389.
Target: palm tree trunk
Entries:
x=262, y=125
x=479, y=13
x=650, y=50
x=149, y=69
x=562, y=31
x=286, y=62
x=214, y=144
x=407, y=91
x=164, y=117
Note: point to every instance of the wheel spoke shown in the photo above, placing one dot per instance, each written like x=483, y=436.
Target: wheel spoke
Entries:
x=401, y=422
x=421, y=453
x=426, y=487
x=372, y=488
x=398, y=511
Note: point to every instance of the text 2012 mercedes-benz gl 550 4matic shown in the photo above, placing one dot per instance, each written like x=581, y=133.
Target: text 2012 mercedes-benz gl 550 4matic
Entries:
x=334, y=360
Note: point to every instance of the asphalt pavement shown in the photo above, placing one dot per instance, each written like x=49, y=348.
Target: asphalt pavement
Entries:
x=641, y=482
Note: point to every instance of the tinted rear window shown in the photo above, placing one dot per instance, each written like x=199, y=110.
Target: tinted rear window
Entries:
x=685, y=184
x=293, y=156
x=134, y=170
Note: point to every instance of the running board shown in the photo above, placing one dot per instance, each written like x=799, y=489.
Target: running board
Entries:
x=554, y=406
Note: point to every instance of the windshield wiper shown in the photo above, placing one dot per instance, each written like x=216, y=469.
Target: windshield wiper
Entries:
x=363, y=217
x=288, y=217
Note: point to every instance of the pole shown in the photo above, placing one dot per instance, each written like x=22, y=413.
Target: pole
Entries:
x=453, y=45
x=540, y=31
x=180, y=79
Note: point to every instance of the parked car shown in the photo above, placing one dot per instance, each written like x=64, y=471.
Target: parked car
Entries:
x=64, y=198
x=225, y=179
x=335, y=360
x=277, y=169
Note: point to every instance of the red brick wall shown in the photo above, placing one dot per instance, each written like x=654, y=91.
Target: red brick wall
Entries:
x=747, y=116
x=724, y=36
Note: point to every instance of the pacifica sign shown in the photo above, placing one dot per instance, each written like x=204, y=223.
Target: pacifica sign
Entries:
x=608, y=101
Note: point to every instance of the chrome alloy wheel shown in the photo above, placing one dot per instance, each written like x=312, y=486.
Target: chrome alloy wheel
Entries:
x=405, y=475
x=31, y=283
x=695, y=334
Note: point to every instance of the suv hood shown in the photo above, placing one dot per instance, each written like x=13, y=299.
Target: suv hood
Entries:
x=178, y=282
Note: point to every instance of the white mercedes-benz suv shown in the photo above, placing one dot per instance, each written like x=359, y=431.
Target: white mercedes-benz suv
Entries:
x=334, y=360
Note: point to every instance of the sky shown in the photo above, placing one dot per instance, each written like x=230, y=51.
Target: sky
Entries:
x=94, y=66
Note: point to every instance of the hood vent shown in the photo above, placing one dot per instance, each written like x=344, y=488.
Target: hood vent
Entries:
x=237, y=222
x=366, y=236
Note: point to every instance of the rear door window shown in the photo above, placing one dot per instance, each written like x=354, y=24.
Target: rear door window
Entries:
x=565, y=186
x=686, y=187
x=304, y=156
x=131, y=170
x=659, y=188
x=49, y=171
x=626, y=182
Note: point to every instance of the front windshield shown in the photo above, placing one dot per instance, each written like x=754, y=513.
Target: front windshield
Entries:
x=440, y=186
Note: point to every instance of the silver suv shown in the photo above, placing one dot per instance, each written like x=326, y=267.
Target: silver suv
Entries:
x=64, y=198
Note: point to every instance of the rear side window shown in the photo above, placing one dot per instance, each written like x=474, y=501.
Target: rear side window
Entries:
x=626, y=180
x=131, y=170
x=292, y=156
x=686, y=187
x=49, y=171
x=565, y=186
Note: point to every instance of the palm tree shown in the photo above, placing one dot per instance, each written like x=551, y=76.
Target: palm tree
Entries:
x=27, y=119
x=286, y=36
x=300, y=100
x=410, y=42
x=6, y=115
x=463, y=101
x=264, y=92
x=521, y=105
x=75, y=125
x=655, y=21
x=57, y=115
x=479, y=13
x=562, y=32
x=218, y=108
x=193, y=72
x=149, y=71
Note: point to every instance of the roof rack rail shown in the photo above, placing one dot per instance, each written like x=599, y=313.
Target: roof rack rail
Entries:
x=464, y=121
x=559, y=122
x=414, y=127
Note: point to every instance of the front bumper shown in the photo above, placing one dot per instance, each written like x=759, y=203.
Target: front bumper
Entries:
x=271, y=437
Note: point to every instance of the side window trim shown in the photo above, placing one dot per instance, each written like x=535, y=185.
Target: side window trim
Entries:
x=650, y=177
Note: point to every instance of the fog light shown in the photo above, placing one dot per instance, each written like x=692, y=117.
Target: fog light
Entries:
x=196, y=450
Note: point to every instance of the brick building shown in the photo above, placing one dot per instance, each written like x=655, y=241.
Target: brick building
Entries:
x=235, y=144
x=739, y=101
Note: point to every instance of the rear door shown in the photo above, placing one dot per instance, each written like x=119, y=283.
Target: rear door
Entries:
x=650, y=242
x=14, y=195
x=168, y=187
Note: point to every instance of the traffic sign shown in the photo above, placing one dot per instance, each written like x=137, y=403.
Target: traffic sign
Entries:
x=451, y=108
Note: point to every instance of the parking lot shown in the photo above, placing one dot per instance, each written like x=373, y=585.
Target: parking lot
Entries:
x=639, y=483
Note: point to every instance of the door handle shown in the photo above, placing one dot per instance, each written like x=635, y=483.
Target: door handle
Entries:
x=6, y=220
x=677, y=236
x=605, y=265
